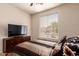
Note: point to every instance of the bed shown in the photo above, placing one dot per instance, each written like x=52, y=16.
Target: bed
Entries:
x=46, y=48
x=35, y=48
x=23, y=46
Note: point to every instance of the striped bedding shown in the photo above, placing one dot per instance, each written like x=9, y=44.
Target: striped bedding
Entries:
x=38, y=47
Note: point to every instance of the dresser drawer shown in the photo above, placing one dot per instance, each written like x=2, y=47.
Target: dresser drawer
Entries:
x=10, y=43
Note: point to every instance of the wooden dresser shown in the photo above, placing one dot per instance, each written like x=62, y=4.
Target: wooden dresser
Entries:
x=10, y=43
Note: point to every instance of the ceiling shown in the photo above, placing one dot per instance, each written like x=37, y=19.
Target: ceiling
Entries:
x=35, y=7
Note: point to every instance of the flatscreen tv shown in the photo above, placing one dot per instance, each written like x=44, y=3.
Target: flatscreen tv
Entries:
x=15, y=30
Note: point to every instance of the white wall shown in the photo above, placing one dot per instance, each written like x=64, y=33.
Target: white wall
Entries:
x=68, y=20
x=12, y=15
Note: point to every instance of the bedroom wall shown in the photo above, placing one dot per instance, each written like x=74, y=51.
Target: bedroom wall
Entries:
x=12, y=15
x=68, y=20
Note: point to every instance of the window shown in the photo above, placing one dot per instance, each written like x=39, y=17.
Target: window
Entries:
x=49, y=26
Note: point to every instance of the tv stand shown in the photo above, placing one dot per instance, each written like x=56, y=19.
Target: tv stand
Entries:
x=11, y=42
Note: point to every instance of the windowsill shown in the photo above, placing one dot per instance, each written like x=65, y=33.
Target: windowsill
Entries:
x=49, y=39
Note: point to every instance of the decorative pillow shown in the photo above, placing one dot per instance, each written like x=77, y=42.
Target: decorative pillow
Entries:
x=74, y=39
x=73, y=44
x=67, y=51
x=58, y=50
x=63, y=40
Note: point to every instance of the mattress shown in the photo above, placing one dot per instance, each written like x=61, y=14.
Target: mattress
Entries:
x=36, y=48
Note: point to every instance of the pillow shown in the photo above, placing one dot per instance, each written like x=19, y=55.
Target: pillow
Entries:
x=63, y=40
x=58, y=50
x=74, y=39
x=67, y=51
x=55, y=51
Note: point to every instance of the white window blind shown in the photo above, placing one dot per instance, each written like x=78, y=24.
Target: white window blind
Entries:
x=49, y=26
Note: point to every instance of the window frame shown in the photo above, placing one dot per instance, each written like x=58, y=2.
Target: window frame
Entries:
x=58, y=26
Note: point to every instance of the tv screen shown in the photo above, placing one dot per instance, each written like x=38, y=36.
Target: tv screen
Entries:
x=15, y=30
